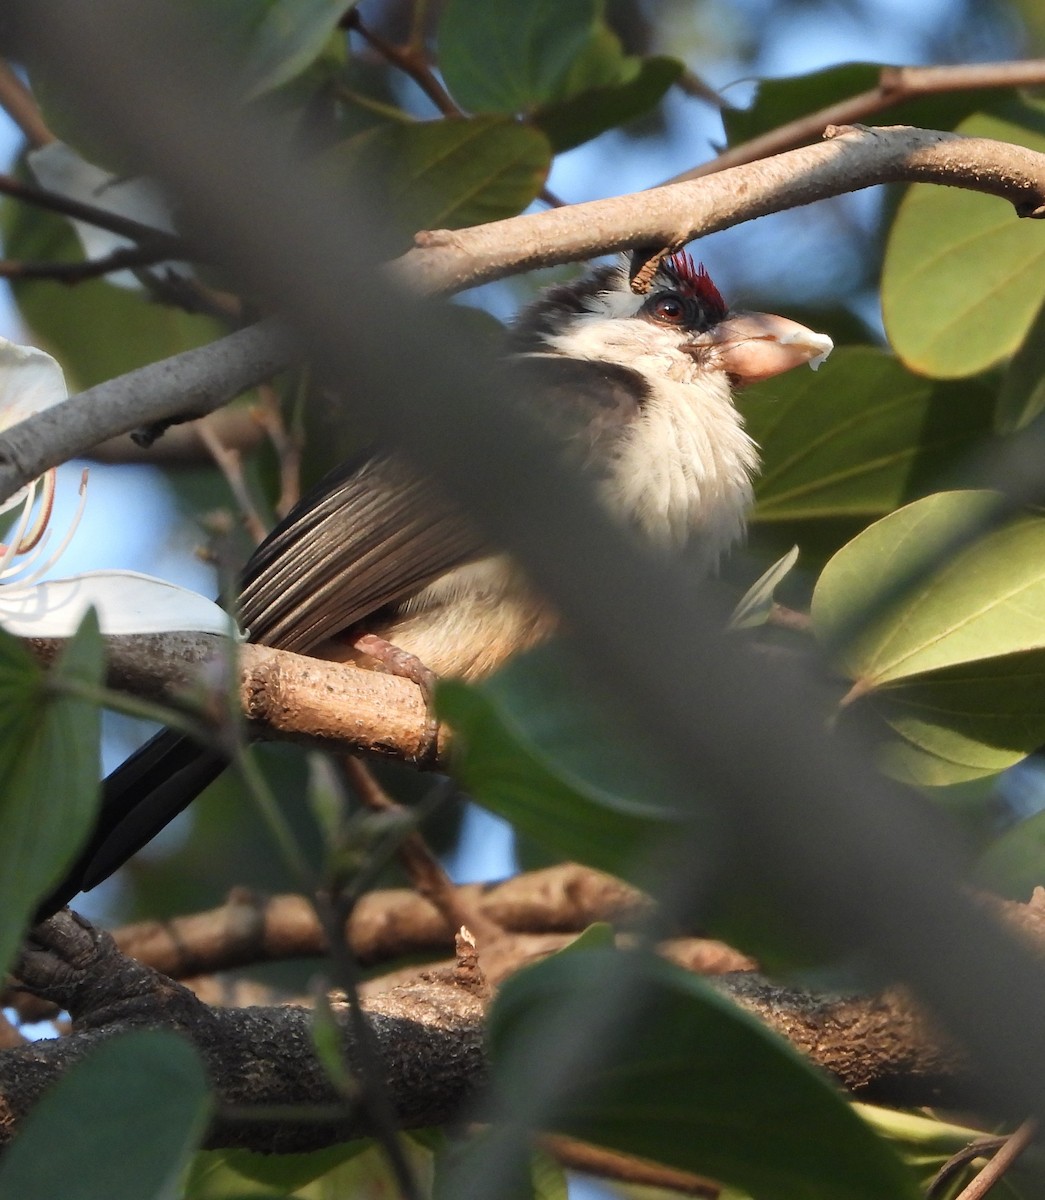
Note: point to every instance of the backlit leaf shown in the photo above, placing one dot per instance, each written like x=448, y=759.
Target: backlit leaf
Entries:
x=963, y=278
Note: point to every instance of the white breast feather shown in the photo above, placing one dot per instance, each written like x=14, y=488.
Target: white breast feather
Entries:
x=683, y=472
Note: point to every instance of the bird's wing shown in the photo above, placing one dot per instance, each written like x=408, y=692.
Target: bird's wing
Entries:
x=370, y=533
x=586, y=404
x=373, y=532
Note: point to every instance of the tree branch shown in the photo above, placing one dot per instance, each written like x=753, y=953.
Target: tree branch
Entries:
x=201, y=380
x=190, y=384
x=283, y=695
x=850, y=159
x=896, y=85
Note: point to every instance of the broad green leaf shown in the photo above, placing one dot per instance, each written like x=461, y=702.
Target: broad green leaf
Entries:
x=119, y=1125
x=1022, y=394
x=591, y=112
x=757, y=602
x=48, y=772
x=964, y=722
x=694, y=1082
x=858, y=437
x=985, y=602
x=449, y=174
x=963, y=279
x=96, y=330
x=955, y=665
x=501, y=57
x=1014, y=864
x=779, y=101
x=530, y=745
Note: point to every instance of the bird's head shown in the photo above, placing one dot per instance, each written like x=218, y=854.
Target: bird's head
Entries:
x=681, y=321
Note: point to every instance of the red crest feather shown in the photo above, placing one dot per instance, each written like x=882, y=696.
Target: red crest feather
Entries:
x=695, y=280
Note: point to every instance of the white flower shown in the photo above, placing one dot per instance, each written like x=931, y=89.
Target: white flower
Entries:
x=126, y=601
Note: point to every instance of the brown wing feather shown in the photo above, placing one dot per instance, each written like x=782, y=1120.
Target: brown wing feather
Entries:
x=370, y=533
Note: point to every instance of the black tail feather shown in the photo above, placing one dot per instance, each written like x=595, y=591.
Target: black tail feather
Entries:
x=139, y=798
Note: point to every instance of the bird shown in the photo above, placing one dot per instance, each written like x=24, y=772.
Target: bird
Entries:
x=374, y=566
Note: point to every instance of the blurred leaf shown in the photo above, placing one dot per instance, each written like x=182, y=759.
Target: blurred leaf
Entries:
x=695, y=1082
x=328, y=1041
x=1022, y=394
x=48, y=773
x=449, y=174
x=290, y=37
x=501, y=57
x=78, y=1143
x=582, y=117
x=96, y=330
x=536, y=749
x=779, y=101
x=963, y=279
x=1014, y=865
x=858, y=437
x=956, y=663
x=218, y=1174
x=757, y=602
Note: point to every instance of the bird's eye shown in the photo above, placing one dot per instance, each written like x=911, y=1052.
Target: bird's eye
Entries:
x=669, y=309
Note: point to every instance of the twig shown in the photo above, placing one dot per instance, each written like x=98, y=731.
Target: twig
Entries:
x=1000, y=1163
x=230, y=462
x=691, y=83
x=608, y=1164
x=412, y=61
x=167, y=244
x=20, y=105
x=123, y=258
x=789, y=618
x=421, y=865
x=268, y=414
x=895, y=86
x=957, y=1163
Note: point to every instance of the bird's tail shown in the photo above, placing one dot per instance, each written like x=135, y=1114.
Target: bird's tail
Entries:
x=139, y=798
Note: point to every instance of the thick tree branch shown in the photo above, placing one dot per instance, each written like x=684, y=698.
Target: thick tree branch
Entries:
x=190, y=384
x=429, y=1035
x=851, y=158
x=283, y=695
x=429, y=1040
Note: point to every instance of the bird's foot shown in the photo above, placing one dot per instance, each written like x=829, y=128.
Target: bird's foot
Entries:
x=397, y=661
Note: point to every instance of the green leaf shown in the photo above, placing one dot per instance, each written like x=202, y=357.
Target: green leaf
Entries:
x=449, y=174
x=501, y=57
x=955, y=664
x=757, y=602
x=985, y=602
x=1022, y=394
x=584, y=116
x=96, y=330
x=78, y=1142
x=532, y=746
x=695, y=1082
x=858, y=437
x=48, y=772
x=218, y=1174
x=963, y=279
